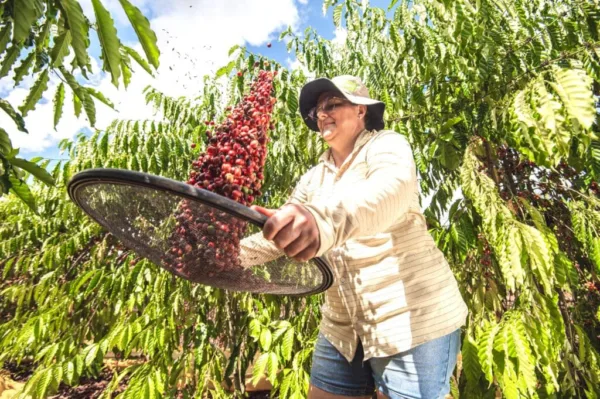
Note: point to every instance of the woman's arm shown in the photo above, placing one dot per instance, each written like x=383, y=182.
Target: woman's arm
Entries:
x=372, y=205
x=256, y=249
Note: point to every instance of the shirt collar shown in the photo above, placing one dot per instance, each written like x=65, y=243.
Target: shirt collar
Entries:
x=362, y=138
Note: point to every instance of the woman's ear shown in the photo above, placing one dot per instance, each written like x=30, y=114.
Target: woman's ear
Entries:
x=362, y=111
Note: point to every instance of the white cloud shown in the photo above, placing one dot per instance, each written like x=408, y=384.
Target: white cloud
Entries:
x=39, y=122
x=339, y=40
x=194, y=38
x=303, y=1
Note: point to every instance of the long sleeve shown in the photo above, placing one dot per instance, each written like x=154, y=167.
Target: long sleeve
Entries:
x=256, y=249
x=374, y=204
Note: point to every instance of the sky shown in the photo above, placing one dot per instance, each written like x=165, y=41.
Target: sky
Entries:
x=194, y=37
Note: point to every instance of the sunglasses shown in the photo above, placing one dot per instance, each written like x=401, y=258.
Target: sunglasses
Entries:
x=327, y=107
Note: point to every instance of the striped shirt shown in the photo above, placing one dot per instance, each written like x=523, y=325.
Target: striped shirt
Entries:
x=393, y=288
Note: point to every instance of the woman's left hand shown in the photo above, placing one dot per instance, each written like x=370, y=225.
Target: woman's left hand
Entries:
x=293, y=229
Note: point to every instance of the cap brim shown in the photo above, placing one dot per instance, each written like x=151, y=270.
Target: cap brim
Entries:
x=309, y=95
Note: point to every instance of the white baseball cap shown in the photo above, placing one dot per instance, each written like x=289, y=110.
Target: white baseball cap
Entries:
x=348, y=87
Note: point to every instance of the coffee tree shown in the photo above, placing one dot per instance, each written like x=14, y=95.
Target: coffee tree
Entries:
x=37, y=38
x=498, y=100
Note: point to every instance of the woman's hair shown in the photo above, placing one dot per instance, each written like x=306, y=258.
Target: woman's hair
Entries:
x=368, y=123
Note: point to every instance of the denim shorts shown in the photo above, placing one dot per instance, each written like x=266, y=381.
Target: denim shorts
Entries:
x=421, y=372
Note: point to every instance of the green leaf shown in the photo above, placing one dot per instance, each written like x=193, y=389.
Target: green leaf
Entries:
x=337, y=14
x=23, y=69
x=16, y=117
x=259, y=367
x=21, y=190
x=272, y=366
x=138, y=58
x=81, y=97
x=35, y=170
x=42, y=40
x=109, y=42
x=454, y=390
x=125, y=68
x=562, y=265
x=99, y=96
x=5, y=36
x=69, y=372
x=449, y=123
x=447, y=155
x=9, y=59
x=470, y=360
x=250, y=62
x=595, y=155
x=79, y=30
x=326, y=5
x=225, y=69
x=59, y=100
x=485, y=350
x=76, y=105
x=144, y=32
x=46, y=380
x=288, y=343
x=458, y=237
x=574, y=88
x=389, y=105
x=232, y=49
x=5, y=143
x=292, y=101
x=524, y=355
x=539, y=254
x=265, y=339
x=35, y=94
x=25, y=14
x=285, y=384
x=255, y=328
x=90, y=357
x=61, y=48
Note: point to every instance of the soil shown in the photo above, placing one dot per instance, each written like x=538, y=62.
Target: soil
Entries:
x=88, y=388
x=18, y=372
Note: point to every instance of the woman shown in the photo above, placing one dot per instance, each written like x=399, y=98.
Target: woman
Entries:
x=391, y=320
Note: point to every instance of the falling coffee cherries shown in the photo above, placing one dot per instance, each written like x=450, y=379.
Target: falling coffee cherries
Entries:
x=206, y=241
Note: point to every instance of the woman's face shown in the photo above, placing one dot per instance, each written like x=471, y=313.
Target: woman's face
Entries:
x=341, y=123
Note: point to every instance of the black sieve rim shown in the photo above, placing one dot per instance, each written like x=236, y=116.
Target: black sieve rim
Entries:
x=132, y=178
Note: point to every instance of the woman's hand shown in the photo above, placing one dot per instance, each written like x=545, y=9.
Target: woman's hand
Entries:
x=293, y=229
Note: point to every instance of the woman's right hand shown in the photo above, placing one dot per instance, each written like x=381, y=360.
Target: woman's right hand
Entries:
x=293, y=229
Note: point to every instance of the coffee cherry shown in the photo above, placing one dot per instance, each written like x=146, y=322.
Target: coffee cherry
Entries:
x=206, y=241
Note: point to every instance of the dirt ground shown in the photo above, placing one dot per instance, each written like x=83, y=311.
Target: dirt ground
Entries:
x=13, y=377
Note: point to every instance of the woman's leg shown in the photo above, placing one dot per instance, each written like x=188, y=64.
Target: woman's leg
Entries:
x=332, y=377
x=422, y=372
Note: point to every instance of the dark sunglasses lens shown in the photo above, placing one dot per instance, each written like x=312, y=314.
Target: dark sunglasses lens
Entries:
x=330, y=107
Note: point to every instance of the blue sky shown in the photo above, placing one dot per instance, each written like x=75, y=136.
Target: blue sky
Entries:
x=194, y=38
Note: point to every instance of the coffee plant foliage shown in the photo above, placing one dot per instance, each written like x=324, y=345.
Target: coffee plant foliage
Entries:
x=498, y=100
x=41, y=38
